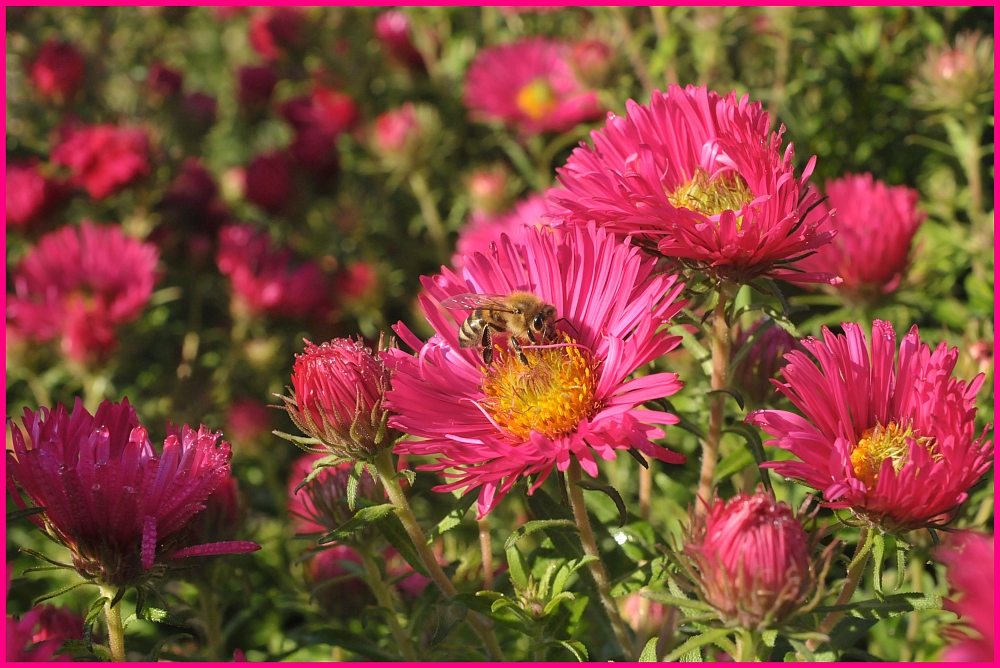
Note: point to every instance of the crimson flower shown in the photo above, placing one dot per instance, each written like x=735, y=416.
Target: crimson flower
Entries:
x=164, y=81
x=269, y=181
x=892, y=440
x=57, y=70
x=700, y=178
x=489, y=427
x=30, y=194
x=319, y=119
x=875, y=224
x=484, y=230
x=79, y=284
x=396, y=129
x=104, y=158
x=529, y=85
x=338, y=392
x=276, y=29
x=255, y=84
x=121, y=508
x=751, y=560
x=263, y=279
x=969, y=557
x=394, y=33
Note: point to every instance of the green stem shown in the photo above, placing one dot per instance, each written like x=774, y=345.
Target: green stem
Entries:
x=384, y=599
x=213, y=622
x=574, y=475
x=721, y=347
x=854, y=573
x=116, y=631
x=486, y=547
x=95, y=386
x=387, y=473
x=429, y=211
x=971, y=156
x=746, y=645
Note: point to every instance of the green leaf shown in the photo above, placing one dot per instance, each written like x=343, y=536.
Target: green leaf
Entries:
x=140, y=599
x=878, y=559
x=39, y=555
x=318, y=467
x=575, y=648
x=545, y=507
x=756, y=446
x=392, y=529
x=682, y=421
x=453, y=518
x=537, y=525
x=680, y=602
x=88, y=624
x=349, y=641
x=21, y=513
x=161, y=616
x=649, y=651
x=444, y=618
x=731, y=391
x=519, y=569
x=411, y=476
x=900, y=565
x=733, y=463
x=565, y=571
x=361, y=519
x=696, y=642
x=60, y=592
x=353, y=480
x=592, y=485
x=154, y=654
x=890, y=606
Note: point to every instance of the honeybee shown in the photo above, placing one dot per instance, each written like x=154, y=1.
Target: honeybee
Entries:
x=524, y=316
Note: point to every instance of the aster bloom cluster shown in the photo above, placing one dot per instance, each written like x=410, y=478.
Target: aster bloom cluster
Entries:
x=78, y=285
x=892, y=439
x=121, y=508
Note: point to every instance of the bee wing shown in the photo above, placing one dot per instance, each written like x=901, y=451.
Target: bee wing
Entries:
x=471, y=301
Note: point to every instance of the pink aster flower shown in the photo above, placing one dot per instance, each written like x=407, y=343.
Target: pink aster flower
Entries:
x=489, y=427
x=969, y=557
x=104, y=158
x=529, y=85
x=395, y=35
x=263, y=280
x=484, y=229
x=321, y=505
x=120, y=507
x=30, y=194
x=79, y=284
x=700, y=178
x=893, y=440
x=752, y=560
x=875, y=224
x=57, y=71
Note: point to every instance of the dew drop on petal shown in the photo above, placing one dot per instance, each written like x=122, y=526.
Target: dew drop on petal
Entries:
x=96, y=486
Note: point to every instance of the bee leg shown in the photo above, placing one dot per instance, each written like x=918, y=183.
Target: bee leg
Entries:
x=487, y=342
x=516, y=345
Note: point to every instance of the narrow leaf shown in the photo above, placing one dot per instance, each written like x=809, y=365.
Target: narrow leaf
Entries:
x=878, y=559
x=649, y=651
x=611, y=492
x=353, y=479
x=60, y=592
x=161, y=616
x=453, y=518
x=392, y=529
x=39, y=555
x=21, y=513
x=900, y=565
x=536, y=525
x=668, y=599
x=361, y=519
x=519, y=569
x=696, y=642
x=88, y=624
x=756, y=446
x=731, y=391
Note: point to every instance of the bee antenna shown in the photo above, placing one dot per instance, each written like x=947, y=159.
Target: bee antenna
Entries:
x=575, y=330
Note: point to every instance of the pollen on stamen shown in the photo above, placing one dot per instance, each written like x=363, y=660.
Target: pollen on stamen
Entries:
x=880, y=443
x=551, y=394
x=727, y=192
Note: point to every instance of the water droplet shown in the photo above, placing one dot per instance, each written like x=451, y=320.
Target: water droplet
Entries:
x=129, y=490
x=96, y=486
x=101, y=462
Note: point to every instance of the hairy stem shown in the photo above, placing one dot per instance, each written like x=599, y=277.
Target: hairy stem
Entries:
x=721, y=346
x=116, y=631
x=854, y=573
x=384, y=598
x=574, y=475
x=486, y=547
x=387, y=473
x=746, y=645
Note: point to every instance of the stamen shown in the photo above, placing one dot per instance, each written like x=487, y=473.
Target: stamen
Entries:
x=727, y=192
x=537, y=99
x=880, y=443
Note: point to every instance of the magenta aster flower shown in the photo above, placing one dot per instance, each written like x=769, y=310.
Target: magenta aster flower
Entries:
x=79, y=284
x=875, y=224
x=490, y=427
x=121, y=508
x=484, y=229
x=263, y=279
x=699, y=178
x=893, y=441
x=103, y=159
x=969, y=557
x=321, y=505
x=529, y=85
x=751, y=559
x=338, y=391
x=30, y=194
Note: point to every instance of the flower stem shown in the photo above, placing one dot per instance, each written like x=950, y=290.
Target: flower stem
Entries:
x=746, y=645
x=384, y=598
x=854, y=573
x=387, y=473
x=721, y=346
x=486, y=547
x=116, y=631
x=574, y=475
x=429, y=211
x=212, y=620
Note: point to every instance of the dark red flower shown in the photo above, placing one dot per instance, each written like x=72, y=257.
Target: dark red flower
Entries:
x=80, y=284
x=57, y=70
x=269, y=181
x=30, y=195
x=255, y=84
x=263, y=279
x=164, y=81
x=318, y=119
x=198, y=112
x=104, y=158
x=394, y=33
x=275, y=29
x=119, y=506
x=357, y=281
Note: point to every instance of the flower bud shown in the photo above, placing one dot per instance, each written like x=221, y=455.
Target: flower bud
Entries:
x=321, y=505
x=338, y=591
x=956, y=79
x=394, y=33
x=488, y=189
x=338, y=392
x=592, y=60
x=269, y=181
x=752, y=376
x=400, y=137
x=751, y=559
x=198, y=113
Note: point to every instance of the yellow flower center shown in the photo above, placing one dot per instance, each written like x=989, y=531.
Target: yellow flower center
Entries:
x=728, y=192
x=537, y=99
x=878, y=444
x=551, y=394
